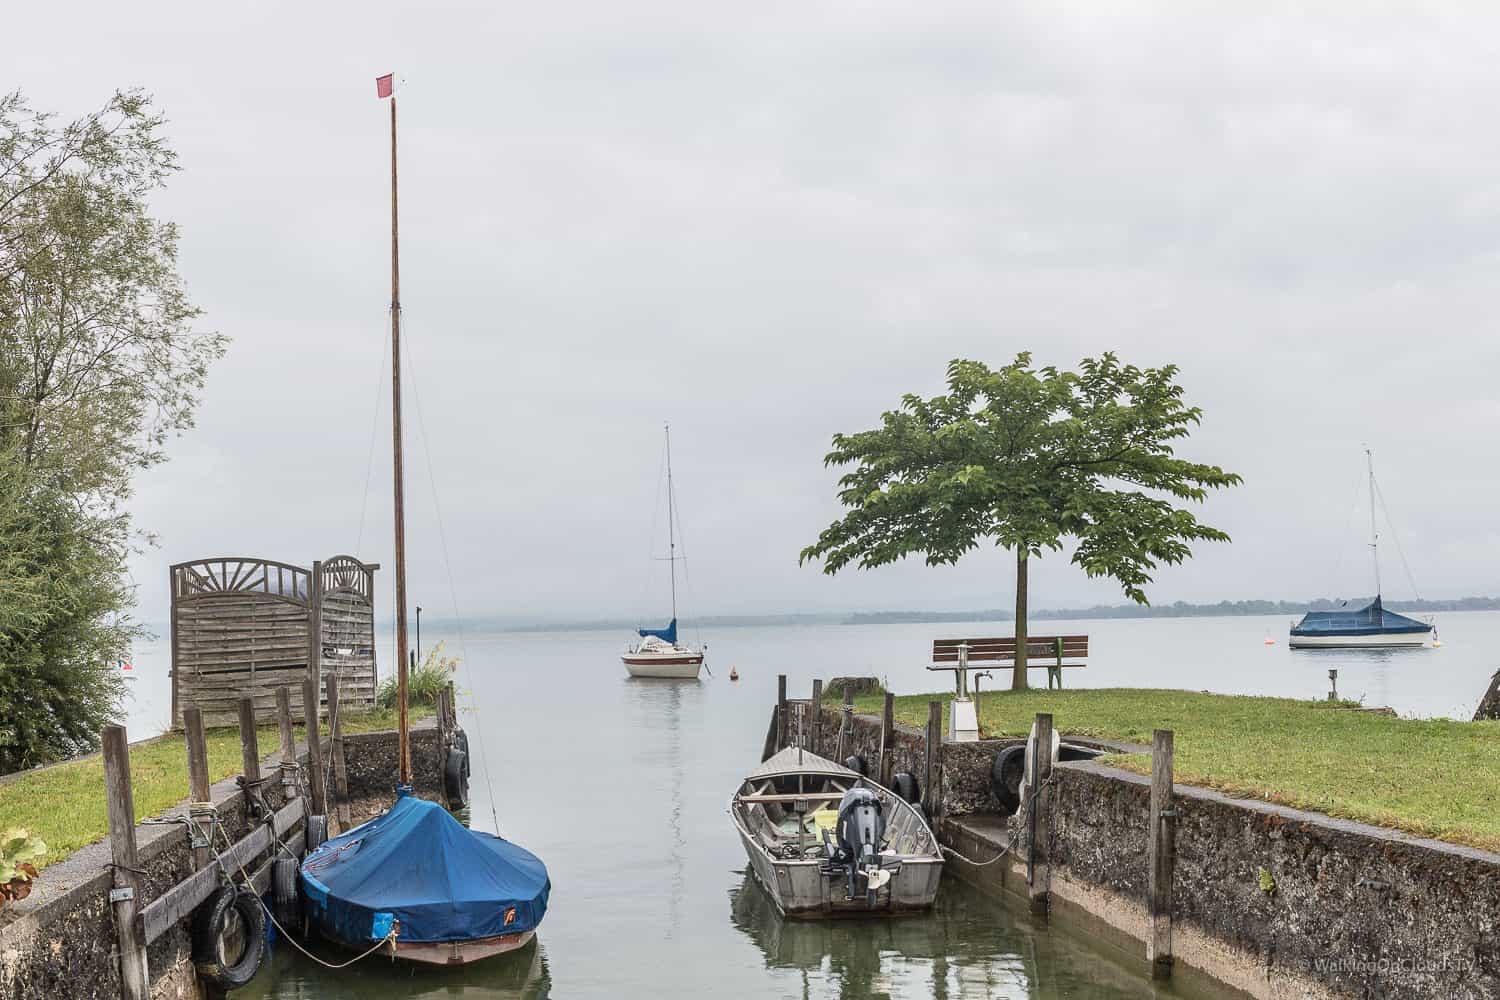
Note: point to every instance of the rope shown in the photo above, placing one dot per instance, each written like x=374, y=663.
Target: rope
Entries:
x=452, y=591
x=1010, y=848
x=1391, y=526
x=364, y=502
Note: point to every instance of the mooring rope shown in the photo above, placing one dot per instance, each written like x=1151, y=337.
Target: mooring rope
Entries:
x=1010, y=848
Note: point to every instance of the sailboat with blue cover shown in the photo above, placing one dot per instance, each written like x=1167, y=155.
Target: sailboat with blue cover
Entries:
x=658, y=653
x=414, y=879
x=1369, y=627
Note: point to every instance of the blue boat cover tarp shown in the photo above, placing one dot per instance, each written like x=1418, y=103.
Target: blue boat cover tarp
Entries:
x=668, y=634
x=419, y=865
x=1373, y=619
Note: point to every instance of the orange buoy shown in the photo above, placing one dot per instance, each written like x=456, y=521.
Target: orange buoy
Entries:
x=1268, y=641
x=734, y=674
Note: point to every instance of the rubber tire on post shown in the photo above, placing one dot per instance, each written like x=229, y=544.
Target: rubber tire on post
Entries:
x=905, y=784
x=1006, y=774
x=208, y=923
x=286, y=904
x=456, y=778
x=317, y=832
x=857, y=764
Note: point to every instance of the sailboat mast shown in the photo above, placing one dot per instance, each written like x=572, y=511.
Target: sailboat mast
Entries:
x=1374, y=534
x=403, y=724
x=671, y=524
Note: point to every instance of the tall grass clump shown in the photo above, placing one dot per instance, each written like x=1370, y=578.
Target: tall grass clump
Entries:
x=422, y=684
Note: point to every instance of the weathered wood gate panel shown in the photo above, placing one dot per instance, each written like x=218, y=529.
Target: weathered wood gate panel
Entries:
x=242, y=627
x=346, y=619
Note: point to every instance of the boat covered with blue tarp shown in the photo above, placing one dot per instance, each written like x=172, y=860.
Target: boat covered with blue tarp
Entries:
x=417, y=876
x=1370, y=626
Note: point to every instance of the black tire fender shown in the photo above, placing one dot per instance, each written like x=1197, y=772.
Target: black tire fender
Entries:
x=456, y=778
x=286, y=904
x=905, y=784
x=1005, y=777
x=209, y=922
x=317, y=832
x=856, y=763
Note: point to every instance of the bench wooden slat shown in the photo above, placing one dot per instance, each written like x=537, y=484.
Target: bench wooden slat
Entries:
x=1041, y=650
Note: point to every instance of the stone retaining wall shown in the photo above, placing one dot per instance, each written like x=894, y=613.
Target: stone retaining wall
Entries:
x=59, y=941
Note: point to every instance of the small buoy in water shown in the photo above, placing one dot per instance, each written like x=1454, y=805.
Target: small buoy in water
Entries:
x=1437, y=644
x=1268, y=641
x=734, y=674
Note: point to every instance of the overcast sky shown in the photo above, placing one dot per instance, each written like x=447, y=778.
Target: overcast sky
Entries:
x=764, y=223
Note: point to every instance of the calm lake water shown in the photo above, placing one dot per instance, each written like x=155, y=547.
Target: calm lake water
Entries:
x=621, y=787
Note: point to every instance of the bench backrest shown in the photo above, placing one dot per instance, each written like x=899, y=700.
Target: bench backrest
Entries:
x=1003, y=650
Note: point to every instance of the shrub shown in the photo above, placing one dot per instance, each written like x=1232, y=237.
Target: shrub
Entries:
x=422, y=684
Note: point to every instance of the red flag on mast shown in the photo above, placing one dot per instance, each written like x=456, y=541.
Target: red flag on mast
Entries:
x=385, y=86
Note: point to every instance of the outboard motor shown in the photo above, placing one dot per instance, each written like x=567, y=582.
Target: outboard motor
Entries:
x=861, y=830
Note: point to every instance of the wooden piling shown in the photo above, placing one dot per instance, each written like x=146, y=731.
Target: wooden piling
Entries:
x=288, y=733
x=846, y=719
x=198, y=783
x=887, y=738
x=125, y=896
x=815, y=724
x=316, y=784
x=336, y=734
x=781, y=720
x=932, y=760
x=1163, y=855
x=1038, y=875
x=249, y=751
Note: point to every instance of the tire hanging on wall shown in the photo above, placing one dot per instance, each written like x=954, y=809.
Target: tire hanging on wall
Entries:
x=456, y=778
x=211, y=923
x=317, y=832
x=856, y=763
x=1006, y=774
x=286, y=904
x=905, y=784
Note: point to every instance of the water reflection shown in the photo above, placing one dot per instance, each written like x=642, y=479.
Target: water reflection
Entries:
x=522, y=975
x=970, y=946
x=658, y=705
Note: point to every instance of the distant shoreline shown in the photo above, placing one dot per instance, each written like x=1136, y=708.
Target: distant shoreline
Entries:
x=1179, y=609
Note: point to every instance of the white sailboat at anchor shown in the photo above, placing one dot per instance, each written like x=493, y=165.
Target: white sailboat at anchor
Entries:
x=658, y=653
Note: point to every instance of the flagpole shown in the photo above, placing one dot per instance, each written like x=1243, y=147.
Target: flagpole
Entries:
x=403, y=722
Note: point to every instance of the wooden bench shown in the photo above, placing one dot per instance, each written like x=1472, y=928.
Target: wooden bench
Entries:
x=1042, y=651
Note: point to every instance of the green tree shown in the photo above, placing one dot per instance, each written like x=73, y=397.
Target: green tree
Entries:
x=1030, y=458
x=99, y=367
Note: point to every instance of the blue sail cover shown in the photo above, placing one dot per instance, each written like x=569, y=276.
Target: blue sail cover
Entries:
x=1372, y=619
x=419, y=865
x=668, y=634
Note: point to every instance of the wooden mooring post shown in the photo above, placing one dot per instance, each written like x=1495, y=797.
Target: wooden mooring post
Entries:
x=124, y=897
x=1038, y=875
x=846, y=719
x=250, y=757
x=1163, y=855
x=815, y=723
x=288, y=742
x=336, y=736
x=781, y=720
x=887, y=738
x=932, y=760
x=198, y=784
x=316, y=784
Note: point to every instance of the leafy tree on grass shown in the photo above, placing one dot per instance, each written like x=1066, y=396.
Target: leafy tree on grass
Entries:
x=99, y=367
x=1030, y=458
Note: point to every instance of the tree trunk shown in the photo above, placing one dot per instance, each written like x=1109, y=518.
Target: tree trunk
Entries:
x=1018, y=677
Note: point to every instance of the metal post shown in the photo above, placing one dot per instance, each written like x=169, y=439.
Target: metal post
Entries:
x=1038, y=875
x=125, y=896
x=1163, y=855
x=419, y=631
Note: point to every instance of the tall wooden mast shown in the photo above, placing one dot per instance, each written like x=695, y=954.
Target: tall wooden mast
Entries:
x=399, y=505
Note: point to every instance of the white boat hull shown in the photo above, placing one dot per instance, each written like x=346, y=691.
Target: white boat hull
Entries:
x=677, y=667
x=1410, y=640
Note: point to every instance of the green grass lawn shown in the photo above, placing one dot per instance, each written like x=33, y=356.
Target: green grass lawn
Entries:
x=64, y=805
x=1432, y=777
